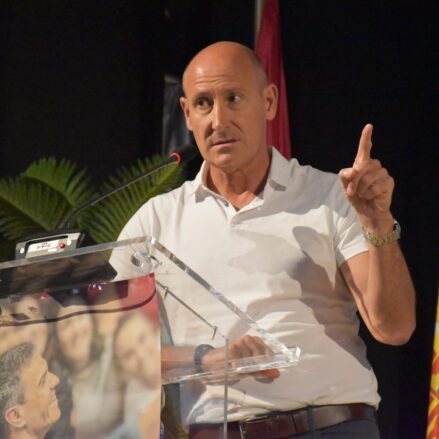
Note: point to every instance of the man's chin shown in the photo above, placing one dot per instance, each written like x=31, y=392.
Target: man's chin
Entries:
x=55, y=411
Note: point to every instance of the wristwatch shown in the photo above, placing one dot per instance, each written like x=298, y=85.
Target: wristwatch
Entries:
x=380, y=240
x=200, y=351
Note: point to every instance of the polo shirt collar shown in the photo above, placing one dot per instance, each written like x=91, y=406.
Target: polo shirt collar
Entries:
x=280, y=171
x=277, y=179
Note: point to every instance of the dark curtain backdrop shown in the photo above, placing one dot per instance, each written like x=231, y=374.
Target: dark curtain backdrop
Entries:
x=83, y=80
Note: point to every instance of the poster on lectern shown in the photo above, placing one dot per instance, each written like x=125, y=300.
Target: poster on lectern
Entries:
x=78, y=360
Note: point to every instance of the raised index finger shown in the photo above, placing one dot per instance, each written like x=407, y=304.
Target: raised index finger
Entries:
x=365, y=144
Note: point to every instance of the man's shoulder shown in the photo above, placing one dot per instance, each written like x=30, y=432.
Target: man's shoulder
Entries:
x=185, y=190
x=167, y=201
x=313, y=178
x=311, y=171
x=294, y=174
x=315, y=188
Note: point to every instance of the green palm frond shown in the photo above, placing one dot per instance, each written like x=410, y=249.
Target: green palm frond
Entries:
x=62, y=177
x=40, y=198
x=105, y=221
x=29, y=207
x=43, y=196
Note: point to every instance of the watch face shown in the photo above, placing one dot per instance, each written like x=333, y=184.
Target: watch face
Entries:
x=200, y=351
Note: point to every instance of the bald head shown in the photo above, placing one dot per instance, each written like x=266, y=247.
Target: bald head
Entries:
x=227, y=103
x=228, y=53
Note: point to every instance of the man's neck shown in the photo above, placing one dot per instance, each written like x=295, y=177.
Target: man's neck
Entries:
x=239, y=187
x=24, y=434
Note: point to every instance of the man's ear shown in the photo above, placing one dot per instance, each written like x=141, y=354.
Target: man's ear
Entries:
x=185, y=107
x=271, y=95
x=14, y=416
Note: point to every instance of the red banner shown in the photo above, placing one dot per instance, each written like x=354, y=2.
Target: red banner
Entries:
x=269, y=50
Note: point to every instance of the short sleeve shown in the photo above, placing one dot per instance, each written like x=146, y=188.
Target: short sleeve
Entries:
x=348, y=239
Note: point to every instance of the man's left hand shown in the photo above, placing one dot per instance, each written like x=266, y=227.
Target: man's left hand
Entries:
x=368, y=186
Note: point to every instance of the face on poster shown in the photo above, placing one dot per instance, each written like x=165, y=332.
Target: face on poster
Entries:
x=72, y=369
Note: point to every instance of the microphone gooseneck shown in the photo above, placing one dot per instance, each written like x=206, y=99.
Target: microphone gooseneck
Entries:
x=64, y=238
x=184, y=154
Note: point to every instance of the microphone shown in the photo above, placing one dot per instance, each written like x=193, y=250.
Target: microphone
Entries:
x=64, y=238
x=186, y=153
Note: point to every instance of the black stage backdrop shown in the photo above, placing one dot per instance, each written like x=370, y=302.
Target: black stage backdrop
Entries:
x=83, y=80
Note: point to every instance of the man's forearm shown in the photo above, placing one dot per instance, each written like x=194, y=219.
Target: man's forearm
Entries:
x=390, y=295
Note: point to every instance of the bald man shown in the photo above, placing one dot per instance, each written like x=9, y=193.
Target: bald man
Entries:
x=299, y=249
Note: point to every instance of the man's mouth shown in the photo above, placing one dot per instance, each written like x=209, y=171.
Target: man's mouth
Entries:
x=223, y=142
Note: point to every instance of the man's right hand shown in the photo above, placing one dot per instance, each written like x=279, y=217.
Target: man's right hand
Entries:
x=245, y=347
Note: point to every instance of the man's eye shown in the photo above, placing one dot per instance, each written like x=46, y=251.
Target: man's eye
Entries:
x=202, y=103
x=234, y=98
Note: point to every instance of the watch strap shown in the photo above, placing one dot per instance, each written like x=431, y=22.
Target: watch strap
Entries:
x=200, y=351
x=380, y=240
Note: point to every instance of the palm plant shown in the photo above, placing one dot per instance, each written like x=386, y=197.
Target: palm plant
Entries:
x=105, y=221
x=42, y=197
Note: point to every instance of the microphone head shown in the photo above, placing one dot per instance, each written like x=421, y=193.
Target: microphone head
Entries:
x=185, y=153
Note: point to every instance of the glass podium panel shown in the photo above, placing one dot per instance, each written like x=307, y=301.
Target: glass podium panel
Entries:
x=99, y=318
x=83, y=347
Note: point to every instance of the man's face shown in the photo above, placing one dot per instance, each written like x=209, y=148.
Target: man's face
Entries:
x=227, y=105
x=40, y=408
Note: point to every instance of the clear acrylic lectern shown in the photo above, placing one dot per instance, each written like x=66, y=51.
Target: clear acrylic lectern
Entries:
x=102, y=316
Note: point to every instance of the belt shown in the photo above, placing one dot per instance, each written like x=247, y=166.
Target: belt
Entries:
x=286, y=424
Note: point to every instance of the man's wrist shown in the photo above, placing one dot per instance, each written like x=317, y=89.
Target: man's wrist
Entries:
x=200, y=351
x=378, y=239
x=379, y=225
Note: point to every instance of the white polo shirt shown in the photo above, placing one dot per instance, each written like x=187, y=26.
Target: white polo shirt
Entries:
x=277, y=259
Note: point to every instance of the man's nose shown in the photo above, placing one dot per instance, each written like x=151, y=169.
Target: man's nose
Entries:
x=54, y=380
x=220, y=116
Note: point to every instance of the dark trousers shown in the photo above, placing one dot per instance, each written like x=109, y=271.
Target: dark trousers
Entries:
x=358, y=429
